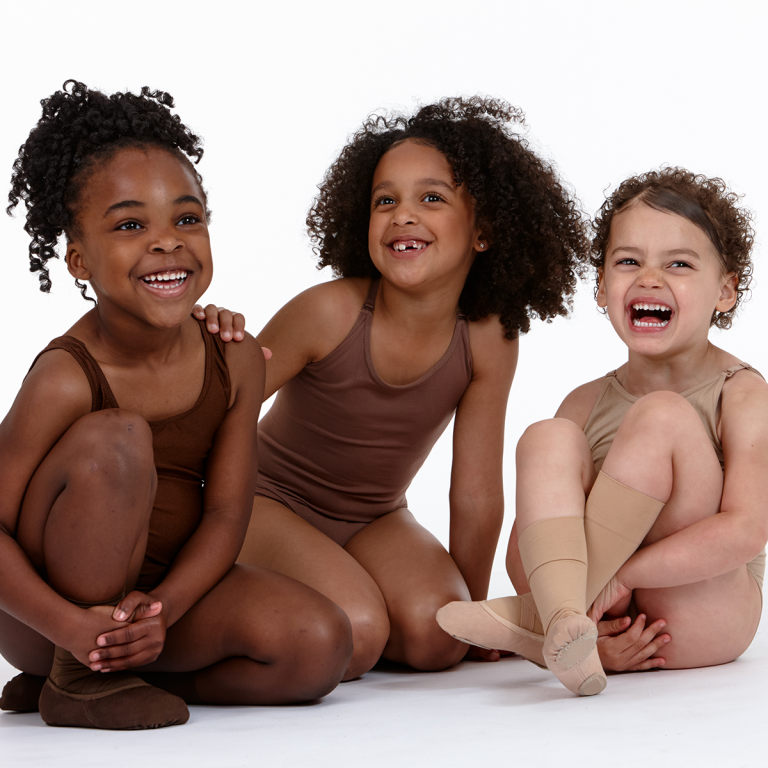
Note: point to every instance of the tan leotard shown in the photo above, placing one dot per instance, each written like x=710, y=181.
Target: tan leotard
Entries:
x=340, y=446
x=614, y=401
x=181, y=444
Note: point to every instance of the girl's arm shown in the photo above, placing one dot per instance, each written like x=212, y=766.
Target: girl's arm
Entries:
x=477, y=494
x=211, y=551
x=734, y=536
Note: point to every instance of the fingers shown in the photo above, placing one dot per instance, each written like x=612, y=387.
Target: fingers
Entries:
x=137, y=644
x=635, y=649
x=212, y=318
x=135, y=606
x=613, y=626
x=267, y=353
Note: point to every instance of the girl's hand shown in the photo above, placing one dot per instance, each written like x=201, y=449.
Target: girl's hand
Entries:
x=220, y=320
x=614, y=598
x=625, y=648
x=136, y=643
x=228, y=325
x=90, y=623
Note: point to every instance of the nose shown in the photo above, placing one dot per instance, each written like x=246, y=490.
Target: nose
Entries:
x=650, y=277
x=166, y=240
x=405, y=214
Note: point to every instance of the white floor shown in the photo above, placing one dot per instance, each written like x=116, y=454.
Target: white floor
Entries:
x=506, y=714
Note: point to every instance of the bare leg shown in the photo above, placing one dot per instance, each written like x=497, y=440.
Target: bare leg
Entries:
x=259, y=638
x=280, y=540
x=84, y=524
x=416, y=576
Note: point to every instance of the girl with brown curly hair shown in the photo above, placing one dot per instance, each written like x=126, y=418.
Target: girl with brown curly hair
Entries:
x=448, y=234
x=128, y=459
x=647, y=490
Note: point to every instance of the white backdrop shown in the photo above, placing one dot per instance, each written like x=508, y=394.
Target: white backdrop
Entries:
x=610, y=89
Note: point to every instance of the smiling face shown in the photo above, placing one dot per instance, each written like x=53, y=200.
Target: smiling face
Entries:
x=422, y=227
x=662, y=281
x=142, y=238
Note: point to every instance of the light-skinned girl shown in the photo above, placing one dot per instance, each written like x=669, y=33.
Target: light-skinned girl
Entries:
x=647, y=490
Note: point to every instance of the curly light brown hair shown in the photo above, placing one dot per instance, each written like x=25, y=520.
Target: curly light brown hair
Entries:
x=536, y=229
x=707, y=203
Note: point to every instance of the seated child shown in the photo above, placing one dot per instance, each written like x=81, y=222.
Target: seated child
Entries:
x=128, y=459
x=448, y=234
x=648, y=487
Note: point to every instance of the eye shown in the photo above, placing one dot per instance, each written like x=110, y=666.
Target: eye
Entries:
x=432, y=197
x=189, y=218
x=383, y=200
x=628, y=262
x=680, y=264
x=129, y=226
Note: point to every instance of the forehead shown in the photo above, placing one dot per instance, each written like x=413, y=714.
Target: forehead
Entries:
x=412, y=159
x=140, y=173
x=646, y=228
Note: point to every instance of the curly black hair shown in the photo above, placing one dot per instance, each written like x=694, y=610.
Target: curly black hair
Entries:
x=707, y=203
x=535, y=228
x=79, y=129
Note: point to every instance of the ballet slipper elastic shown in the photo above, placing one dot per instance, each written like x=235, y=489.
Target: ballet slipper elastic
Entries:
x=74, y=696
x=21, y=693
x=570, y=652
x=478, y=624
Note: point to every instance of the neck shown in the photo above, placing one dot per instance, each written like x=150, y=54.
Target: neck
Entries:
x=418, y=308
x=125, y=338
x=643, y=375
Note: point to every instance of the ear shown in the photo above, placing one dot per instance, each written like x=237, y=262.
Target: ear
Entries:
x=75, y=262
x=728, y=293
x=602, y=298
x=482, y=243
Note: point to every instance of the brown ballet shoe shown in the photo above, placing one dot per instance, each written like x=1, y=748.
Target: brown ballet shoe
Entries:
x=478, y=624
x=21, y=693
x=570, y=651
x=74, y=696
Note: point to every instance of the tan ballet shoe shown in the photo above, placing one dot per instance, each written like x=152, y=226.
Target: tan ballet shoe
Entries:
x=570, y=651
x=478, y=624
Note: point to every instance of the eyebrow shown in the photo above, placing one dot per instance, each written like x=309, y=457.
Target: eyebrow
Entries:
x=138, y=204
x=672, y=252
x=384, y=185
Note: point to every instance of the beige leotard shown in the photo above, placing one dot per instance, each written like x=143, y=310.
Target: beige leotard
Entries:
x=614, y=401
x=340, y=446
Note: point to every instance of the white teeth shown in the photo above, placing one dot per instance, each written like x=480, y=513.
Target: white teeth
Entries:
x=639, y=324
x=656, y=307
x=156, y=279
x=409, y=244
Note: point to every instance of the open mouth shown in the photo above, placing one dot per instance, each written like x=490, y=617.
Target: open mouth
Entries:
x=166, y=280
x=645, y=315
x=408, y=245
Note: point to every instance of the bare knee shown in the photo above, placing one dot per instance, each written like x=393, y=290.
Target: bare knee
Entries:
x=658, y=415
x=553, y=438
x=418, y=641
x=112, y=444
x=370, y=632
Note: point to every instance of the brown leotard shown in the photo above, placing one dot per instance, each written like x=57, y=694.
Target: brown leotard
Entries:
x=614, y=401
x=340, y=446
x=181, y=444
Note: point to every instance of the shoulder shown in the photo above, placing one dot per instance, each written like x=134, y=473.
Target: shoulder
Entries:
x=245, y=361
x=58, y=377
x=745, y=398
x=579, y=404
x=316, y=321
x=491, y=350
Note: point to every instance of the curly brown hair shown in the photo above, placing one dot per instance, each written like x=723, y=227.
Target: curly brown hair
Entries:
x=707, y=203
x=79, y=129
x=535, y=228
